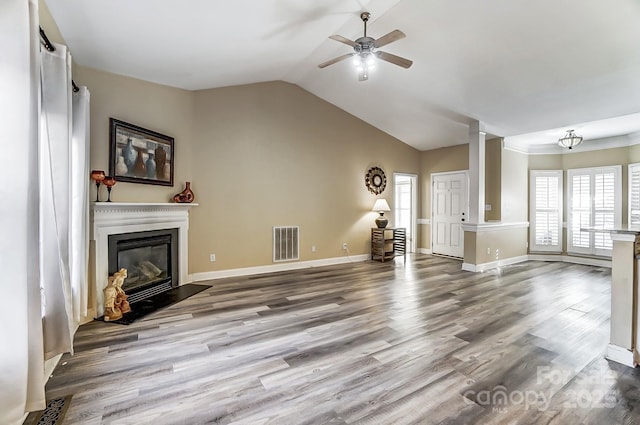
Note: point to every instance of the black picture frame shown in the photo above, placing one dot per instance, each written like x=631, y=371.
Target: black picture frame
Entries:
x=139, y=155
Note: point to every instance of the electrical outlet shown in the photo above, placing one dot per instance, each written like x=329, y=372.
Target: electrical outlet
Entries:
x=313, y=248
x=344, y=246
x=212, y=257
x=488, y=251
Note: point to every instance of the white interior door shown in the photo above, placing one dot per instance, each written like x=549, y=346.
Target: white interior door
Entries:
x=406, y=206
x=449, y=209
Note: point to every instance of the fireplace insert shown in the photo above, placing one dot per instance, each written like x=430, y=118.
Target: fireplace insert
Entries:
x=151, y=260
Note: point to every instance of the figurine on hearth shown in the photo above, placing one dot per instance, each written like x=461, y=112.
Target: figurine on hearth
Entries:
x=115, y=299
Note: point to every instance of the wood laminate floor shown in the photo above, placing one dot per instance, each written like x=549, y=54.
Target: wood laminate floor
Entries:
x=363, y=343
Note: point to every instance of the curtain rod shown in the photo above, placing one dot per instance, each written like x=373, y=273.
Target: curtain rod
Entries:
x=51, y=48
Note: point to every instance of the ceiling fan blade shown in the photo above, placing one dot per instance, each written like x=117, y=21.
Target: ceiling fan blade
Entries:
x=344, y=40
x=394, y=35
x=334, y=60
x=396, y=60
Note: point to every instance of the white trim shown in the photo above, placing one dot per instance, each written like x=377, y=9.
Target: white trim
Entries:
x=620, y=355
x=247, y=271
x=425, y=251
x=534, y=175
x=442, y=173
x=587, y=145
x=616, y=170
x=633, y=170
x=624, y=236
x=50, y=365
x=490, y=227
x=466, y=210
x=413, y=231
x=110, y=218
x=586, y=261
x=494, y=264
x=536, y=257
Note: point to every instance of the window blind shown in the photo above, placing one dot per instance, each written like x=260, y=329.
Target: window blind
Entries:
x=595, y=202
x=545, y=216
x=634, y=194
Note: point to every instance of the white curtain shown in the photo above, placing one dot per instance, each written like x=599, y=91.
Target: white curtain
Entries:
x=55, y=200
x=21, y=343
x=79, y=261
x=64, y=206
x=44, y=208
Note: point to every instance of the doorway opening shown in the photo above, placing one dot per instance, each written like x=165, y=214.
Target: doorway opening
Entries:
x=405, y=205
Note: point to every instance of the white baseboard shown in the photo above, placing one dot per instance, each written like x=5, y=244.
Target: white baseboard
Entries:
x=620, y=355
x=571, y=259
x=50, y=365
x=536, y=257
x=493, y=264
x=247, y=271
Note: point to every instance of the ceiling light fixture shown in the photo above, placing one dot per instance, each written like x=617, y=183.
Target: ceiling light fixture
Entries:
x=570, y=140
x=365, y=50
x=364, y=62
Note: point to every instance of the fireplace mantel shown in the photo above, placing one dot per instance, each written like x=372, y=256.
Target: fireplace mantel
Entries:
x=109, y=218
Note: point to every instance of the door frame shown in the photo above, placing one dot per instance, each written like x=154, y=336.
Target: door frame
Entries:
x=431, y=221
x=414, y=207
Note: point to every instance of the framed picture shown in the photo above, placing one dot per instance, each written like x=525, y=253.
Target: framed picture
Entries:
x=138, y=155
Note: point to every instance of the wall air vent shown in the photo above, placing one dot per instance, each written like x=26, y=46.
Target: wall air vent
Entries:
x=286, y=243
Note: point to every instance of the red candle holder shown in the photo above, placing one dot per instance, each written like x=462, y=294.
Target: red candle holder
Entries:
x=109, y=181
x=97, y=176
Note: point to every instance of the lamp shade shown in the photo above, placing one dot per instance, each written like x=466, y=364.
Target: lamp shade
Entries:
x=381, y=205
x=570, y=140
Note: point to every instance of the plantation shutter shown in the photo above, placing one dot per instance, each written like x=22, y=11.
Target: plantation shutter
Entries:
x=595, y=203
x=634, y=194
x=604, y=208
x=545, y=215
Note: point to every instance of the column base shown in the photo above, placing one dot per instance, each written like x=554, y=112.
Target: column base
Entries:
x=620, y=355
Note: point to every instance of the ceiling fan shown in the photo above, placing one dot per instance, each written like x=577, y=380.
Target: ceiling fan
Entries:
x=365, y=50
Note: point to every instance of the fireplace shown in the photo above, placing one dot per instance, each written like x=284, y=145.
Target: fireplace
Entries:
x=128, y=224
x=151, y=260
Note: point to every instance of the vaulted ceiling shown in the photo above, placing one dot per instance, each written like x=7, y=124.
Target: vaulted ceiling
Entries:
x=527, y=70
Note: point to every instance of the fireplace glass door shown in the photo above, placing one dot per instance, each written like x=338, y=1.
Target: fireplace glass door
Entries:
x=150, y=259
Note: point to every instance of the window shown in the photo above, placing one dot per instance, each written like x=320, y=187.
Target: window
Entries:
x=595, y=201
x=634, y=194
x=545, y=216
x=405, y=206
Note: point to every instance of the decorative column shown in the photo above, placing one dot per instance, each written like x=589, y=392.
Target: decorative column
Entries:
x=476, y=172
x=624, y=292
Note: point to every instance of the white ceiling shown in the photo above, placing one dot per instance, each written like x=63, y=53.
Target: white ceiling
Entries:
x=517, y=66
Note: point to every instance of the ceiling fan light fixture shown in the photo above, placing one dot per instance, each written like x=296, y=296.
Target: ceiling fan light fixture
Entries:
x=569, y=140
x=365, y=50
x=370, y=61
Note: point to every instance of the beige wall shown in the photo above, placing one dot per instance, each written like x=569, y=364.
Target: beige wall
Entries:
x=159, y=108
x=48, y=24
x=616, y=156
x=273, y=154
x=453, y=158
x=490, y=246
x=258, y=156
